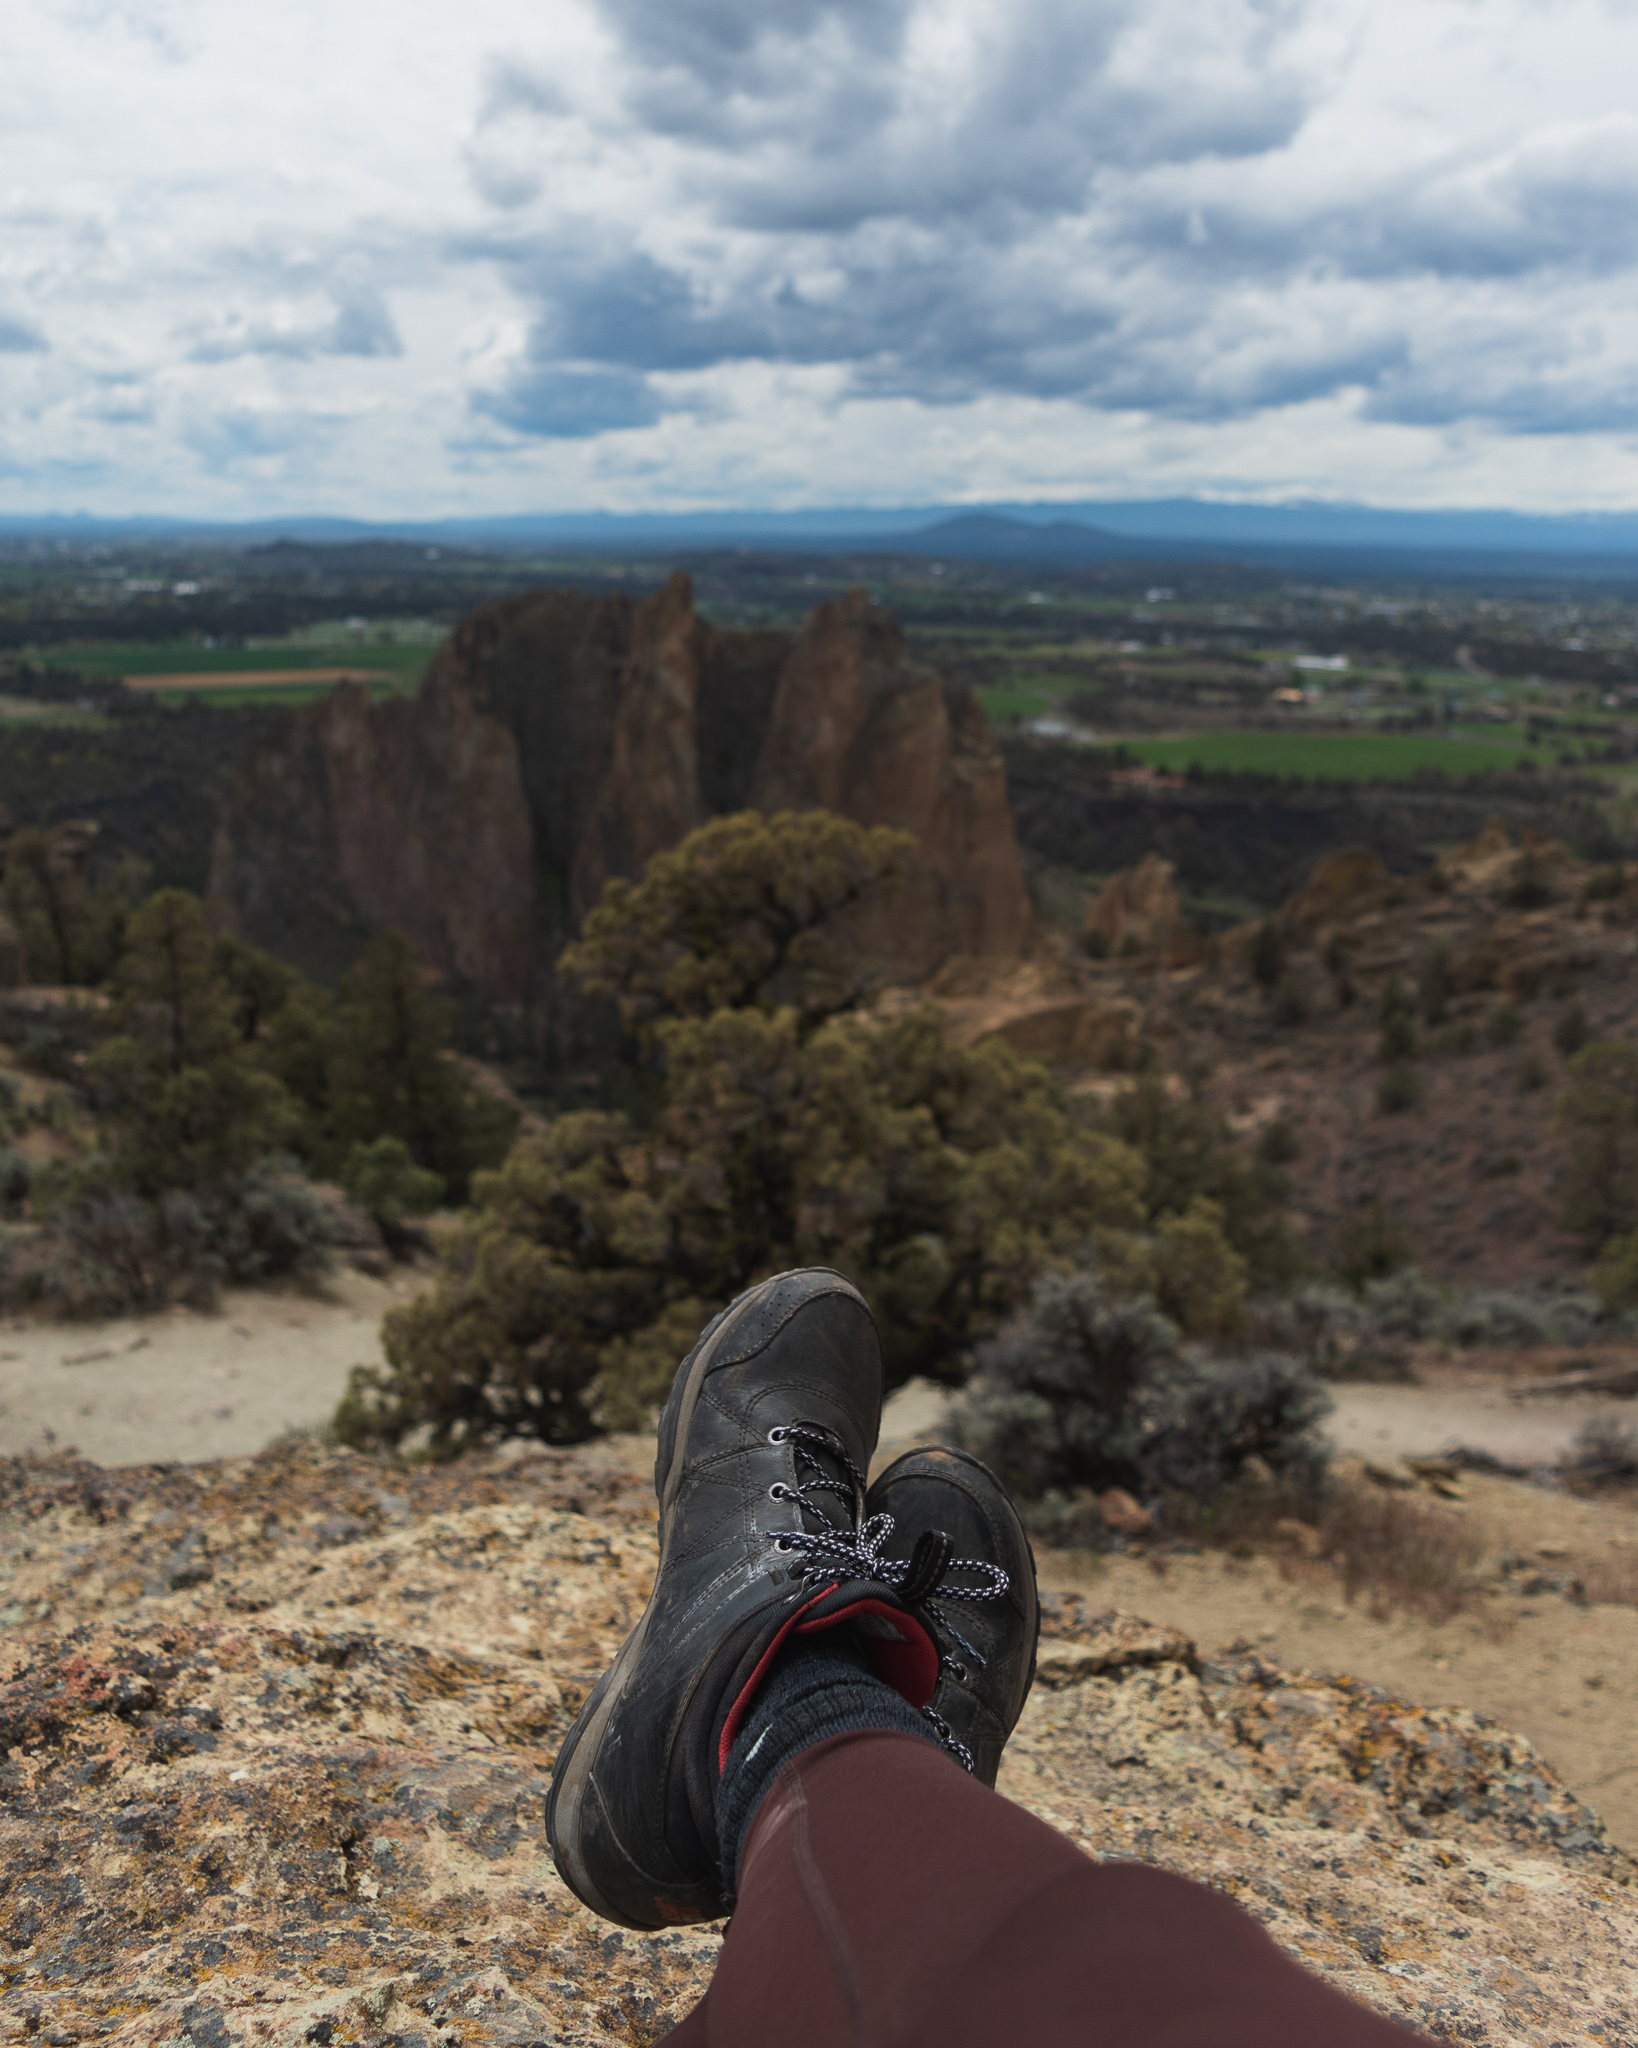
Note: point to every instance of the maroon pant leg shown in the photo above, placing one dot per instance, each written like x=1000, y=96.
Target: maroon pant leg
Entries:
x=887, y=1900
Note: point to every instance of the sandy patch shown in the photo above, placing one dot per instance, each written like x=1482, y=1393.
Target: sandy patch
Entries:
x=187, y=1385
x=1562, y=1674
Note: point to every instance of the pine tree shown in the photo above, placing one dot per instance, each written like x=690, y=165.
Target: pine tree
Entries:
x=182, y=1091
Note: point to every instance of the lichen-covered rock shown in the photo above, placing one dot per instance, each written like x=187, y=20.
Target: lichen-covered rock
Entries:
x=276, y=1733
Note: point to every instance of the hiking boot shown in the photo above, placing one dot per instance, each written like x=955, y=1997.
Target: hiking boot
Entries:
x=763, y=1447
x=982, y=1611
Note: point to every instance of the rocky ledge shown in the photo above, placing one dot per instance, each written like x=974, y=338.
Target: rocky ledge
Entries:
x=276, y=1733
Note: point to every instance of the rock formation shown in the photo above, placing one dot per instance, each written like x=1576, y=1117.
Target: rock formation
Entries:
x=1049, y=1007
x=561, y=739
x=1343, y=887
x=406, y=813
x=1137, y=914
x=276, y=1733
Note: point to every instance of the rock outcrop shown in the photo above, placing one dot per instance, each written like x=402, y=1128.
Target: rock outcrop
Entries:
x=1137, y=914
x=360, y=816
x=561, y=739
x=1049, y=1007
x=276, y=1733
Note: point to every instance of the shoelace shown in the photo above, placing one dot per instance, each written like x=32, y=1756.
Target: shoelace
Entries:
x=855, y=1553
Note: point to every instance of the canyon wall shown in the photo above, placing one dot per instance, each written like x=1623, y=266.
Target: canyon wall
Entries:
x=560, y=740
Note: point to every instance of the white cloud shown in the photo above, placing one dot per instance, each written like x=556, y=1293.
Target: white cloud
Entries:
x=670, y=252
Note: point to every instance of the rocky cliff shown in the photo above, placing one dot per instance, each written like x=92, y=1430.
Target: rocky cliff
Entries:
x=275, y=1735
x=561, y=739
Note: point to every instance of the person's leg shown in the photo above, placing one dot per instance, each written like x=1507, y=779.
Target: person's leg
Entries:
x=887, y=1899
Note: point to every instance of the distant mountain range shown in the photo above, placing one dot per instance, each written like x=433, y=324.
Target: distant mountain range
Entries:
x=1154, y=528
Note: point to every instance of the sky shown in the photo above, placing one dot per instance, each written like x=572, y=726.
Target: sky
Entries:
x=425, y=260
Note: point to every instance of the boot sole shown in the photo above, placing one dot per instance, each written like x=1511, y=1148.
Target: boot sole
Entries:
x=576, y=1760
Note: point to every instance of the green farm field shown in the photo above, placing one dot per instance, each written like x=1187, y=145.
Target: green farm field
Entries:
x=404, y=665
x=1022, y=700
x=1336, y=757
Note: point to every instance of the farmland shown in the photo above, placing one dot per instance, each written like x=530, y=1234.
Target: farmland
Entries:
x=264, y=671
x=1365, y=756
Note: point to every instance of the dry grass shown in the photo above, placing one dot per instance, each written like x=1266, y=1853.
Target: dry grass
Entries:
x=1611, y=1581
x=1389, y=1549
x=1401, y=1550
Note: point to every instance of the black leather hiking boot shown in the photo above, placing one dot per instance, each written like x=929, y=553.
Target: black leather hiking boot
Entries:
x=763, y=1448
x=986, y=1632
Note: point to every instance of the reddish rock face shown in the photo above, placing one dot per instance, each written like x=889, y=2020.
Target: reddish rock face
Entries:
x=857, y=728
x=566, y=739
x=364, y=816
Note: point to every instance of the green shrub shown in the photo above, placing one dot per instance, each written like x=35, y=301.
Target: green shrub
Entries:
x=1268, y=954
x=1433, y=987
x=1604, y=886
x=1572, y=1031
x=108, y=1253
x=1371, y=1243
x=1530, y=886
x=1532, y=1074
x=1598, y=1115
x=183, y=1096
x=387, y=1184
x=1503, y=1025
x=1399, y=1089
x=16, y=1177
x=1396, y=1015
x=71, y=930
x=1288, y=1004
x=940, y=1179
x=1338, y=951
x=1604, y=1448
x=1199, y=1278
x=1279, y=1143
x=1189, y=1153
x=943, y=1180
x=1082, y=1391
x=747, y=912
x=1616, y=1273
x=1493, y=1317
x=386, y=1074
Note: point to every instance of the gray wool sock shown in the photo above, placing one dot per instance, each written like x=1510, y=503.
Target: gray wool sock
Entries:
x=820, y=1686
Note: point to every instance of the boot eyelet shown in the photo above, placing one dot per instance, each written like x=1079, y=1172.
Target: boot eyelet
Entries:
x=959, y=1671
x=778, y=1435
x=783, y=1545
x=779, y=1491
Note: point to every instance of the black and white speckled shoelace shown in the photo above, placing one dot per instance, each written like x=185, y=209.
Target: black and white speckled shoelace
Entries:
x=854, y=1552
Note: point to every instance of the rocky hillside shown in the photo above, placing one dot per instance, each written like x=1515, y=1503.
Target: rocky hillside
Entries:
x=1509, y=952
x=276, y=1733
x=561, y=739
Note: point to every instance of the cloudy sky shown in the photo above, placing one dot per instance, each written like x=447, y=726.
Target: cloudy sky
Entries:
x=422, y=259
